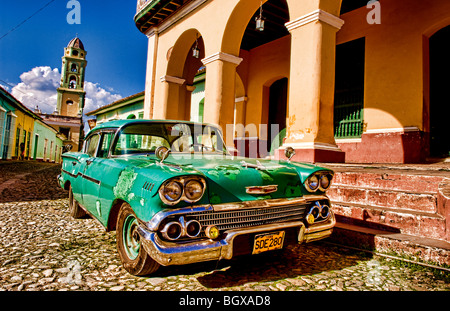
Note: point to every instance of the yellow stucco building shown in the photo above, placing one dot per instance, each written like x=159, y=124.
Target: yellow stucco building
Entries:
x=348, y=80
x=22, y=134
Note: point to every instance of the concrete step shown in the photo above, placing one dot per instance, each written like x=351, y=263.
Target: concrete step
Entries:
x=406, y=181
x=401, y=199
x=413, y=202
x=420, y=249
x=416, y=223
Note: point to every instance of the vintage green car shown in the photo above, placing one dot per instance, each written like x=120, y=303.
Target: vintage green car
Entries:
x=175, y=195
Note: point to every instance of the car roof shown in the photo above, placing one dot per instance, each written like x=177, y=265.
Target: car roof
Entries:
x=120, y=123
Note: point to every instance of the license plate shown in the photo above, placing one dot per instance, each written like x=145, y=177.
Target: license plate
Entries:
x=268, y=242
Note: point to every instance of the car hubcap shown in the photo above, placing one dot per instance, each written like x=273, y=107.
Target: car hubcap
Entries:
x=131, y=237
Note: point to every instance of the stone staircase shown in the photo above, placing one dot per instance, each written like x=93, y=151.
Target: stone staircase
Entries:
x=402, y=210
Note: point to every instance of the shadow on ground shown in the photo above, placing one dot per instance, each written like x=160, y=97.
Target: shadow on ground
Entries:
x=292, y=262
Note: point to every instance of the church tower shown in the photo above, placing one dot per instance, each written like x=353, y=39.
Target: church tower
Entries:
x=68, y=115
x=71, y=92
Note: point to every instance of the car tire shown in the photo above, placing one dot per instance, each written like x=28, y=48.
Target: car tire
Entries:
x=133, y=256
x=75, y=209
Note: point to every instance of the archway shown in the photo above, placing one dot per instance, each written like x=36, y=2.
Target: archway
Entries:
x=275, y=14
x=439, y=108
x=182, y=68
x=266, y=59
x=351, y=5
x=278, y=96
x=198, y=96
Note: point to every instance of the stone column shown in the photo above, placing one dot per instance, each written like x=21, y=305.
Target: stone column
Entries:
x=220, y=92
x=171, y=100
x=310, y=129
x=188, y=102
x=240, y=104
x=150, y=74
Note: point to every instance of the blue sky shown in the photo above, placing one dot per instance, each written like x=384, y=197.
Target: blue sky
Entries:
x=116, y=50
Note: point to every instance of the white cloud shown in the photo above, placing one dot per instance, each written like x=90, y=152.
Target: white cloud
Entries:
x=38, y=88
x=6, y=87
x=97, y=96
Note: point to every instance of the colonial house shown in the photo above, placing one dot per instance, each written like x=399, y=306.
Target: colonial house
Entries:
x=24, y=135
x=131, y=107
x=344, y=80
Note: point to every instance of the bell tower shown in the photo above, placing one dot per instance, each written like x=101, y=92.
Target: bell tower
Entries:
x=68, y=115
x=71, y=92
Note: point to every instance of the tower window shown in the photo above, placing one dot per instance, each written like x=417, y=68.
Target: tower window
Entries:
x=65, y=131
x=72, y=82
x=74, y=68
x=69, y=102
x=75, y=53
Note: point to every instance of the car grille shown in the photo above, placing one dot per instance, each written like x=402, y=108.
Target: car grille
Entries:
x=226, y=220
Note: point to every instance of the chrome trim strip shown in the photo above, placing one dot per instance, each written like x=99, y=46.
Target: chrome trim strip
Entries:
x=95, y=181
x=261, y=189
x=70, y=174
x=83, y=176
x=267, y=203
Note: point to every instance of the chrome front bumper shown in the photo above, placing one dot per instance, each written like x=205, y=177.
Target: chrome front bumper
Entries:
x=170, y=253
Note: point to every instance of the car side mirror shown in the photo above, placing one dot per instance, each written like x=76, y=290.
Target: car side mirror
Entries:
x=162, y=152
x=289, y=152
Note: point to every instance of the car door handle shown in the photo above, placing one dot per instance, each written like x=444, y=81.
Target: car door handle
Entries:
x=74, y=163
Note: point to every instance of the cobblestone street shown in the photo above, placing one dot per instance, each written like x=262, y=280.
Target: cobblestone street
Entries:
x=42, y=248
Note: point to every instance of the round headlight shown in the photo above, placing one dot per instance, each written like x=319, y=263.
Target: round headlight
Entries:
x=172, y=191
x=313, y=183
x=193, y=190
x=324, y=182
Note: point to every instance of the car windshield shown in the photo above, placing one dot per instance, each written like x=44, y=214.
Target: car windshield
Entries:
x=145, y=138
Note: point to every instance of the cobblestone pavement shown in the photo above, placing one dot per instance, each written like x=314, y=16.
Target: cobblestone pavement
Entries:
x=42, y=248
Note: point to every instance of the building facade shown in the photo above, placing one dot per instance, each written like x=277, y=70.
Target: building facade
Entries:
x=7, y=125
x=131, y=107
x=345, y=80
x=17, y=127
x=24, y=135
x=47, y=143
